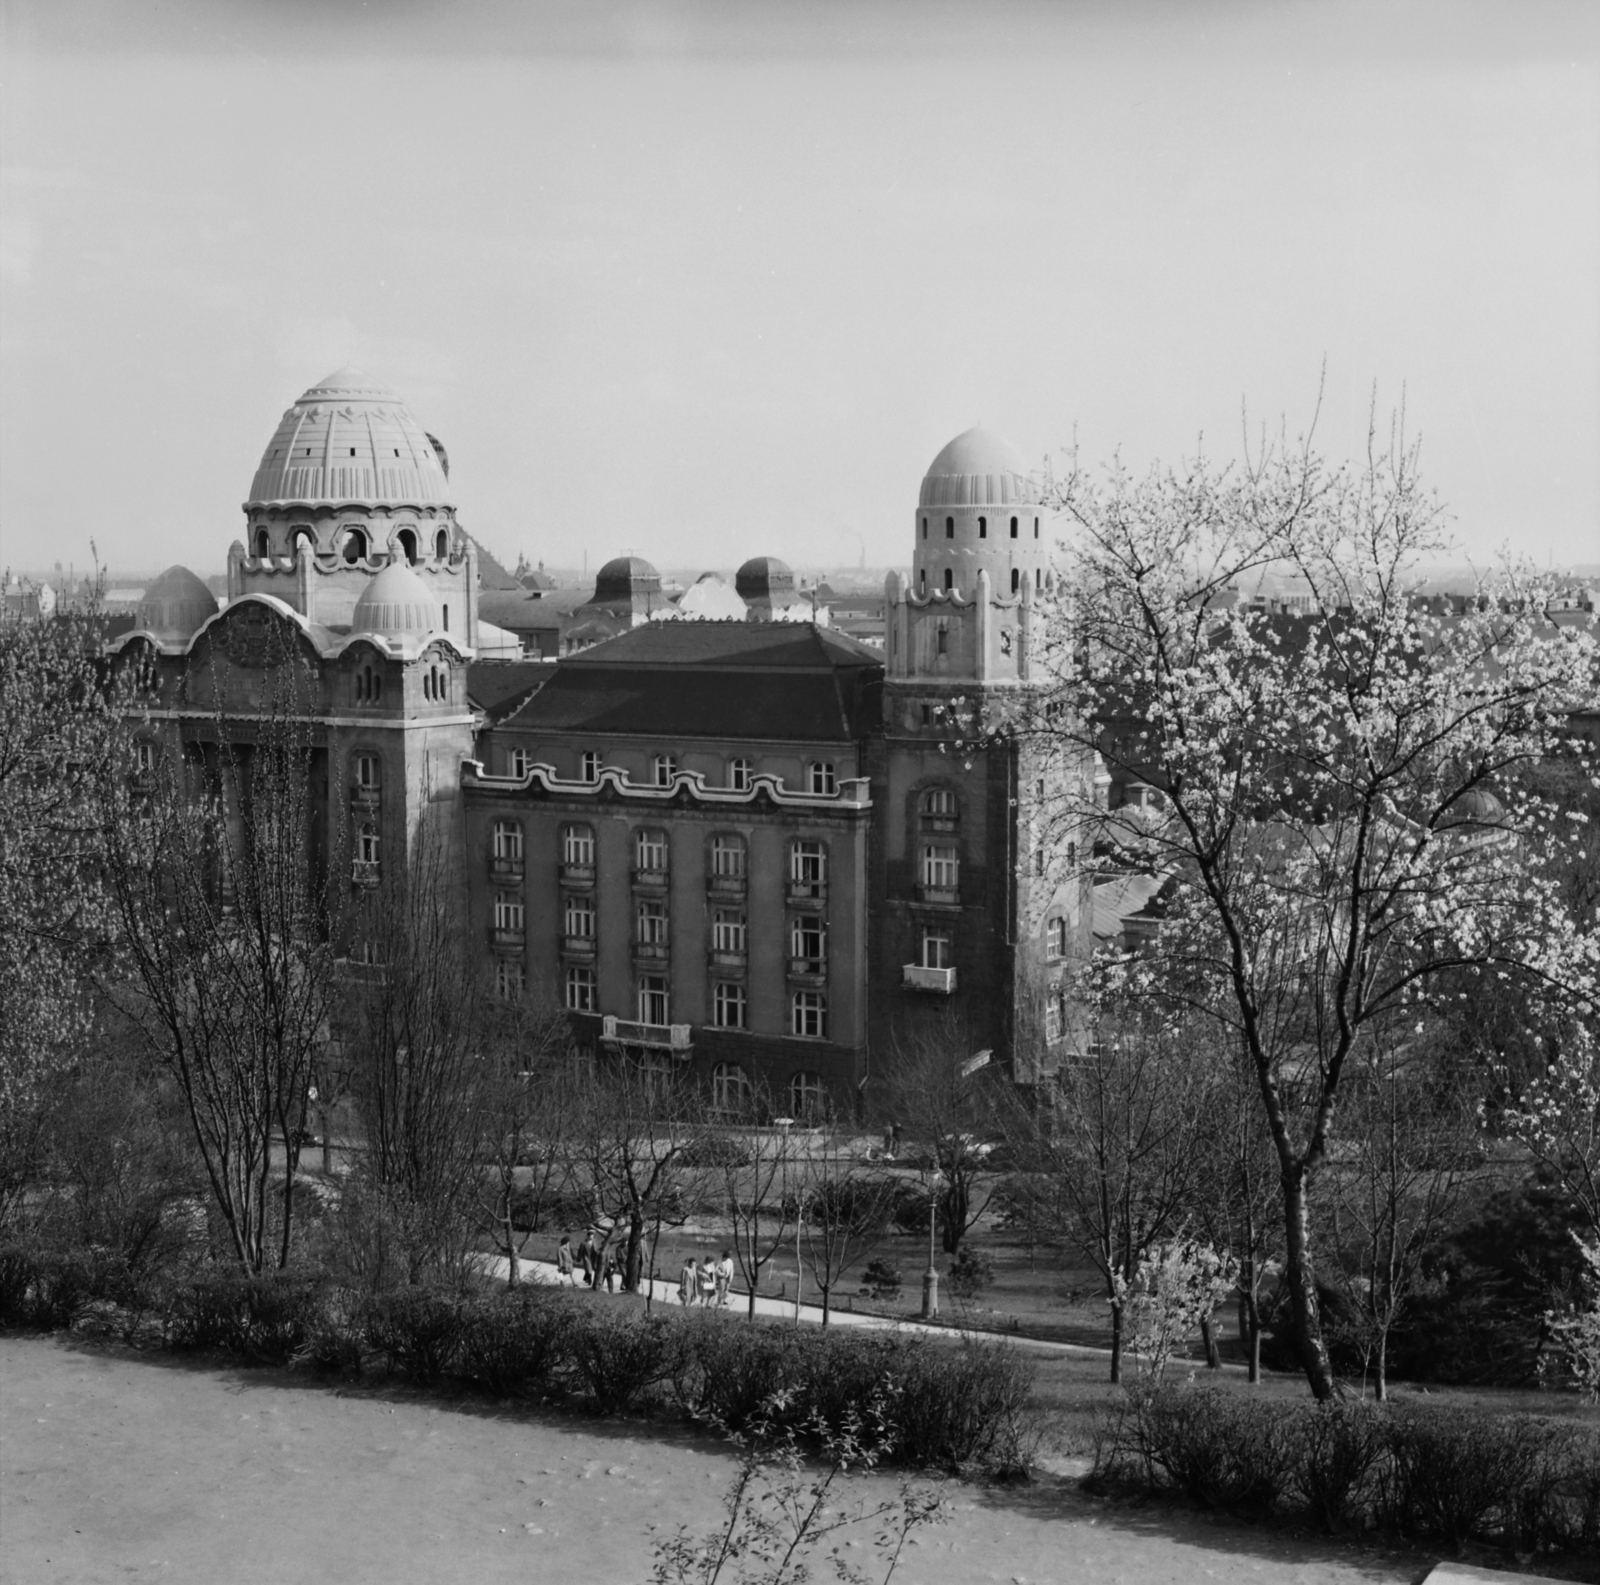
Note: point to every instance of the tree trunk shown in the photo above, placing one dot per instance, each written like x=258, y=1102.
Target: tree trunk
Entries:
x=1208, y=1336
x=512, y=1272
x=1300, y=1276
x=1251, y=1309
x=827, y=1293
x=1116, y=1342
x=1380, y=1383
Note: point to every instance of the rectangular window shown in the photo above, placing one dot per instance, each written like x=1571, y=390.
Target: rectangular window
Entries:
x=579, y=913
x=508, y=912
x=508, y=841
x=1056, y=937
x=590, y=767
x=727, y=930
x=727, y=857
x=739, y=775
x=653, y=1005
x=810, y=1015
x=580, y=990
x=577, y=845
x=367, y=844
x=664, y=768
x=821, y=780
x=728, y=1005
x=941, y=867
x=1038, y=858
x=808, y=864
x=936, y=949
x=652, y=918
x=367, y=771
x=521, y=762
x=650, y=850
x=508, y=979
x=144, y=758
x=1054, y=1016
x=808, y=943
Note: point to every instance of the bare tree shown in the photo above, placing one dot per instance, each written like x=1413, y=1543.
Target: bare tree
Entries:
x=1405, y=1150
x=223, y=961
x=845, y=1212
x=1121, y=1147
x=762, y=1182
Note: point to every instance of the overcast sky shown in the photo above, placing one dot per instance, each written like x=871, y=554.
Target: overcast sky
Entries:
x=710, y=281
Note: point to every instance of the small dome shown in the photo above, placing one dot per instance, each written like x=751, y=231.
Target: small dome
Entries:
x=979, y=468
x=764, y=578
x=625, y=577
x=1476, y=807
x=176, y=606
x=349, y=439
x=394, y=603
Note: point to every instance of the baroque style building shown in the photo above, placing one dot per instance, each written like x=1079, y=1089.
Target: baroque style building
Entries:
x=758, y=852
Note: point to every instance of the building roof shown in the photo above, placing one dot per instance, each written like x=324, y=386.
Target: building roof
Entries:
x=979, y=468
x=349, y=439
x=787, y=682
x=500, y=687
x=176, y=605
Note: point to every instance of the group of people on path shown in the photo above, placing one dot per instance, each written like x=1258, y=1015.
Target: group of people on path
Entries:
x=705, y=1284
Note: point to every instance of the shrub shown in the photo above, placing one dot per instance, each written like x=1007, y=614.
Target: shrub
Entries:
x=729, y=1375
x=835, y=1375
x=958, y=1407
x=620, y=1354
x=1335, y=1448
x=1222, y=1449
x=264, y=1319
x=415, y=1330
x=882, y=1278
x=513, y=1343
x=970, y=1272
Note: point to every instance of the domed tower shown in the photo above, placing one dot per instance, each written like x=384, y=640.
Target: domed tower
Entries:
x=766, y=585
x=349, y=484
x=981, y=558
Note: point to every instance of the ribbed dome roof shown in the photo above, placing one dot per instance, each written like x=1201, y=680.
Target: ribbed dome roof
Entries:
x=1476, y=807
x=764, y=578
x=624, y=577
x=350, y=439
x=979, y=468
x=396, y=602
x=176, y=605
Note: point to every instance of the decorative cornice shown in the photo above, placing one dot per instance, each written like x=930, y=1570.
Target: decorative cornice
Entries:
x=851, y=798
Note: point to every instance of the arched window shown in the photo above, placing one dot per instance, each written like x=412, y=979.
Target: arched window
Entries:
x=407, y=542
x=1055, y=937
x=441, y=545
x=263, y=544
x=1036, y=528
x=808, y=868
x=983, y=528
x=355, y=546
x=650, y=852
x=577, y=846
x=939, y=809
x=730, y=1089
x=1038, y=577
x=1016, y=580
x=808, y=1098
x=739, y=775
x=367, y=770
x=924, y=528
x=949, y=528
x=727, y=857
x=1013, y=528
x=508, y=842
x=949, y=579
x=922, y=581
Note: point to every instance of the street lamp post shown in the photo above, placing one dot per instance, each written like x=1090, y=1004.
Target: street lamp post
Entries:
x=930, y=1278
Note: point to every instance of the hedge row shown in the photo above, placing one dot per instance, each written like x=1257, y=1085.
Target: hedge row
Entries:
x=910, y=1401
x=1454, y=1475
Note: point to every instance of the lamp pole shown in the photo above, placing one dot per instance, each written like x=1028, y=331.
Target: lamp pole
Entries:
x=930, y=1278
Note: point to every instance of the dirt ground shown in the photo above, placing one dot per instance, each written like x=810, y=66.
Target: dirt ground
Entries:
x=122, y=1467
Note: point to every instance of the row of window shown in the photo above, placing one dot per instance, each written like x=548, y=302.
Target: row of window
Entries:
x=808, y=858
x=730, y=930
x=808, y=1009
x=983, y=528
x=950, y=582
x=821, y=776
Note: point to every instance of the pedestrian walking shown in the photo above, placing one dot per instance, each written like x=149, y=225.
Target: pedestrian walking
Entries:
x=687, y=1282
x=707, y=1282
x=564, y=1261
x=724, y=1278
x=589, y=1260
x=610, y=1272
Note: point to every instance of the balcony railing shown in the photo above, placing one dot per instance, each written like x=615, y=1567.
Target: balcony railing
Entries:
x=366, y=797
x=578, y=947
x=676, y=1038
x=812, y=894
x=725, y=885
x=577, y=875
x=504, y=939
x=652, y=951
x=727, y=960
x=941, y=982
x=364, y=872
x=503, y=869
x=650, y=880
x=808, y=971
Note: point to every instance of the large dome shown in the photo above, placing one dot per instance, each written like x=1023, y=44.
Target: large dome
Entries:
x=624, y=577
x=395, y=603
x=979, y=468
x=764, y=578
x=350, y=440
x=176, y=606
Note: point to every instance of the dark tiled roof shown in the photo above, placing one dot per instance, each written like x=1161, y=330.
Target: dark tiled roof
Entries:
x=498, y=687
x=777, y=681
